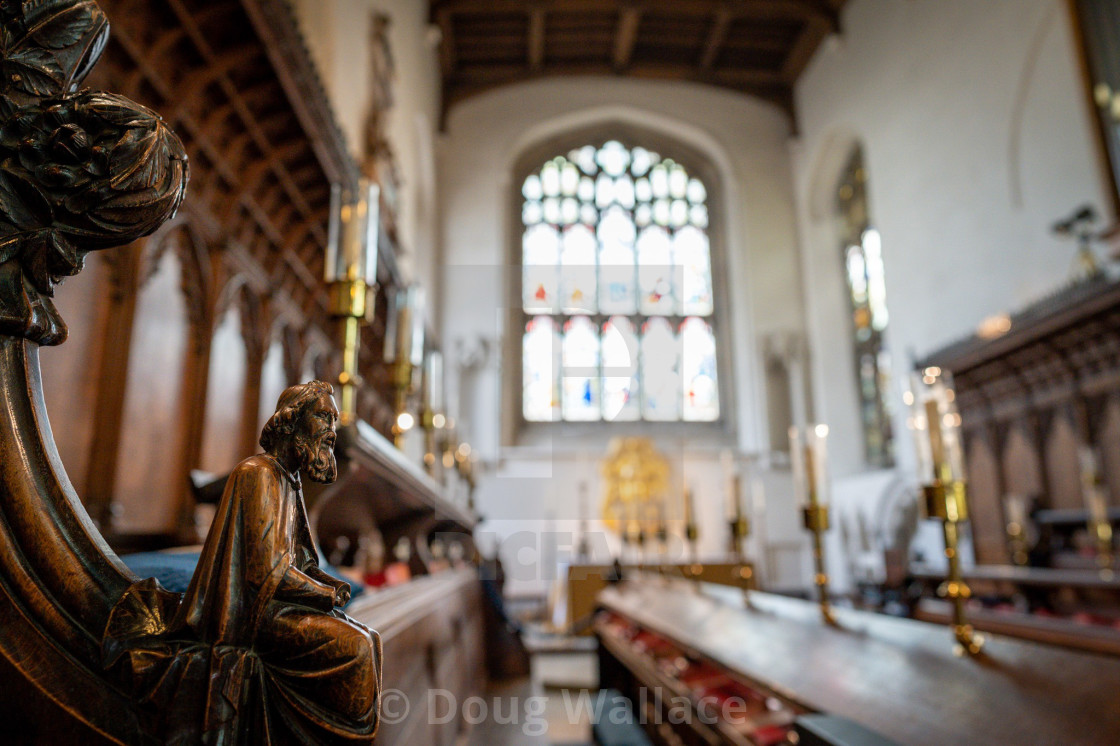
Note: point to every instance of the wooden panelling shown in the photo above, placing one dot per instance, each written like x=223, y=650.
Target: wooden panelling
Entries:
x=234, y=79
x=1036, y=396
x=147, y=482
x=221, y=448
x=758, y=47
x=68, y=383
x=432, y=635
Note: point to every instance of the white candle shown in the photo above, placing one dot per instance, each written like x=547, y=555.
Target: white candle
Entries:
x=352, y=234
x=433, y=382
x=809, y=462
x=727, y=471
x=415, y=346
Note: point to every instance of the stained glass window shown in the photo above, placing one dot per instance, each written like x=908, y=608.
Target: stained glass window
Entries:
x=617, y=289
x=620, y=371
x=861, y=248
x=580, y=378
x=540, y=370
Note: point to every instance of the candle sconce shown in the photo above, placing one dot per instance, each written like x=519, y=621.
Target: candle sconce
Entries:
x=404, y=351
x=350, y=270
x=809, y=458
x=936, y=426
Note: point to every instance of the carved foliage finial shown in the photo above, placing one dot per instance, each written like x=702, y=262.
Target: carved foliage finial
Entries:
x=79, y=171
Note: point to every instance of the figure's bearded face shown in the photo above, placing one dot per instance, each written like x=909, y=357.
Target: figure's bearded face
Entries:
x=316, y=448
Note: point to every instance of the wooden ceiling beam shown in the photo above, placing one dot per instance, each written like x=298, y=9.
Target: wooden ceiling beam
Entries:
x=230, y=90
x=495, y=75
x=536, y=37
x=192, y=85
x=794, y=9
x=196, y=136
x=629, y=18
x=447, y=42
x=716, y=36
x=807, y=42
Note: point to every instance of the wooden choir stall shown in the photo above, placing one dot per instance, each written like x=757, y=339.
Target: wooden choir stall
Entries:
x=179, y=403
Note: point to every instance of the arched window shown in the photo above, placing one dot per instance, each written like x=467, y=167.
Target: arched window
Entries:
x=867, y=292
x=616, y=296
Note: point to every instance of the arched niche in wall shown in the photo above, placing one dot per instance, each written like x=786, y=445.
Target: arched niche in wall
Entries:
x=70, y=378
x=147, y=481
x=829, y=303
x=221, y=432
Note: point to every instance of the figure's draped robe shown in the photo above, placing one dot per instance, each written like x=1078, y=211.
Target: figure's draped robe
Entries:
x=284, y=665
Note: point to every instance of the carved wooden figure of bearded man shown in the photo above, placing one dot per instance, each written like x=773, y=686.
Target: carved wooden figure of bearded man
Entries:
x=258, y=586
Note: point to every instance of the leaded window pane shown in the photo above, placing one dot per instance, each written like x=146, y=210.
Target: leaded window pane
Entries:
x=615, y=252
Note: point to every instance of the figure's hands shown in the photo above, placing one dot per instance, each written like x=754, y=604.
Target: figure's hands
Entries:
x=342, y=594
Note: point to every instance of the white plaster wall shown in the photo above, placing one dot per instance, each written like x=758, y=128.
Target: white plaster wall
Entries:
x=975, y=139
x=338, y=35
x=746, y=141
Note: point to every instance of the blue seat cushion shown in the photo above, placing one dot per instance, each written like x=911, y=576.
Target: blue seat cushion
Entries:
x=174, y=570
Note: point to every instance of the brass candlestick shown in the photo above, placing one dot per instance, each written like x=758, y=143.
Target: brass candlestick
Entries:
x=404, y=351
x=808, y=454
x=1099, y=525
x=946, y=501
x=1016, y=529
x=347, y=302
x=740, y=530
x=1016, y=537
x=464, y=463
x=815, y=518
x=350, y=269
x=662, y=535
x=432, y=418
x=692, y=537
x=402, y=389
x=940, y=455
x=428, y=423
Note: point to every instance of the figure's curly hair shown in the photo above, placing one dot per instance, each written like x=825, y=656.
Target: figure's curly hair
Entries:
x=289, y=408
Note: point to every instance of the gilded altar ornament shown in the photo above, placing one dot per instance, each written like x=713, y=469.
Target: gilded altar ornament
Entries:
x=635, y=479
x=350, y=270
x=809, y=459
x=936, y=426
